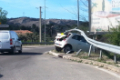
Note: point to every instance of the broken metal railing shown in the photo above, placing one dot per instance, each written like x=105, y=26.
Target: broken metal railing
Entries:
x=103, y=46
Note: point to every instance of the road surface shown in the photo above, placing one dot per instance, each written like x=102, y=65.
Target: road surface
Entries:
x=35, y=64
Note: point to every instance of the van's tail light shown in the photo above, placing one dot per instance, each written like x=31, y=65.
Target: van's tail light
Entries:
x=64, y=39
x=11, y=42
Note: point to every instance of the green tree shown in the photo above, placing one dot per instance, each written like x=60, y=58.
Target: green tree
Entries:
x=34, y=28
x=32, y=37
x=113, y=36
x=22, y=27
x=23, y=38
x=3, y=14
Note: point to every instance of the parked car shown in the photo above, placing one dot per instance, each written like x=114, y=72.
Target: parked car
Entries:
x=71, y=42
x=9, y=42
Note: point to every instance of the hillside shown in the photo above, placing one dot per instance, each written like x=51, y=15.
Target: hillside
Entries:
x=56, y=25
x=27, y=21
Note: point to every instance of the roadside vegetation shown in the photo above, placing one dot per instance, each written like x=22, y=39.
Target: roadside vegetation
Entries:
x=113, y=37
x=3, y=14
x=94, y=56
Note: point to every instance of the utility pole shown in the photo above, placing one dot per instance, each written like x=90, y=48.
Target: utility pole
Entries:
x=45, y=21
x=78, y=13
x=89, y=7
x=40, y=38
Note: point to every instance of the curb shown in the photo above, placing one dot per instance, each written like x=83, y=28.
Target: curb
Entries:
x=85, y=61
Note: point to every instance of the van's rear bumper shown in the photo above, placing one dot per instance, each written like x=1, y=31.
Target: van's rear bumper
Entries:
x=6, y=50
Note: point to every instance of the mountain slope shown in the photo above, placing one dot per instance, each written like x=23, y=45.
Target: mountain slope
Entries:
x=26, y=21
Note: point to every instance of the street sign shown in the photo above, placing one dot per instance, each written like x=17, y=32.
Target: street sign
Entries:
x=4, y=25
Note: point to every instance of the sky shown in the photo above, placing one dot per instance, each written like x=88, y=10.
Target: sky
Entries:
x=55, y=9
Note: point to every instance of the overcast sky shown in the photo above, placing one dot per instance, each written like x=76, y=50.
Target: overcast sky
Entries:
x=59, y=9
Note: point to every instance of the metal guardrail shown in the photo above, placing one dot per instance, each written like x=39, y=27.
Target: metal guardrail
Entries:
x=101, y=45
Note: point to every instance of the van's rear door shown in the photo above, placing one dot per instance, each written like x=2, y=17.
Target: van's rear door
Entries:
x=4, y=40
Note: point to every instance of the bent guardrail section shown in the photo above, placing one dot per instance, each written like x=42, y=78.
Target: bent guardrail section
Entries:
x=101, y=45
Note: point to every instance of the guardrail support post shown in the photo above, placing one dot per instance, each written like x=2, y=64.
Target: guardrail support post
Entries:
x=68, y=52
x=94, y=37
x=115, y=58
x=89, y=50
x=78, y=51
x=100, y=54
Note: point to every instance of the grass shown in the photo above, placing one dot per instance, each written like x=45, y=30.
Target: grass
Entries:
x=95, y=57
x=91, y=63
x=80, y=61
x=101, y=66
x=101, y=60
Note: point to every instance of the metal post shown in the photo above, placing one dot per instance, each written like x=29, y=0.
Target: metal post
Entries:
x=78, y=51
x=89, y=7
x=40, y=27
x=89, y=50
x=115, y=58
x=78, y=13
x=94, y=37
x=45, y=21
x=68, y=52
x=100, y=54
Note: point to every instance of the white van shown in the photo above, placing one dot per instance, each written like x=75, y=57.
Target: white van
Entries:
x=9, y=42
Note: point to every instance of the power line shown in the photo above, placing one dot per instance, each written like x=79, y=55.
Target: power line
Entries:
x=68, y=10
x=78, y=13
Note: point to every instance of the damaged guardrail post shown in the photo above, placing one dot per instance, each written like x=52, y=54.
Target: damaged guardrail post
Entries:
x=100, y=54
x=78, y=51
x=68, y=52
x=89, y=50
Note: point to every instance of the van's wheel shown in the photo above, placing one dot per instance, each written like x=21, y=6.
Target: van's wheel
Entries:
x=20, y=51
x=12, y=51
x=58, y=49
x=2, y=52
x=67, y=48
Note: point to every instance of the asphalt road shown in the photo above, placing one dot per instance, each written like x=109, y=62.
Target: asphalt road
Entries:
x=34, y=64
